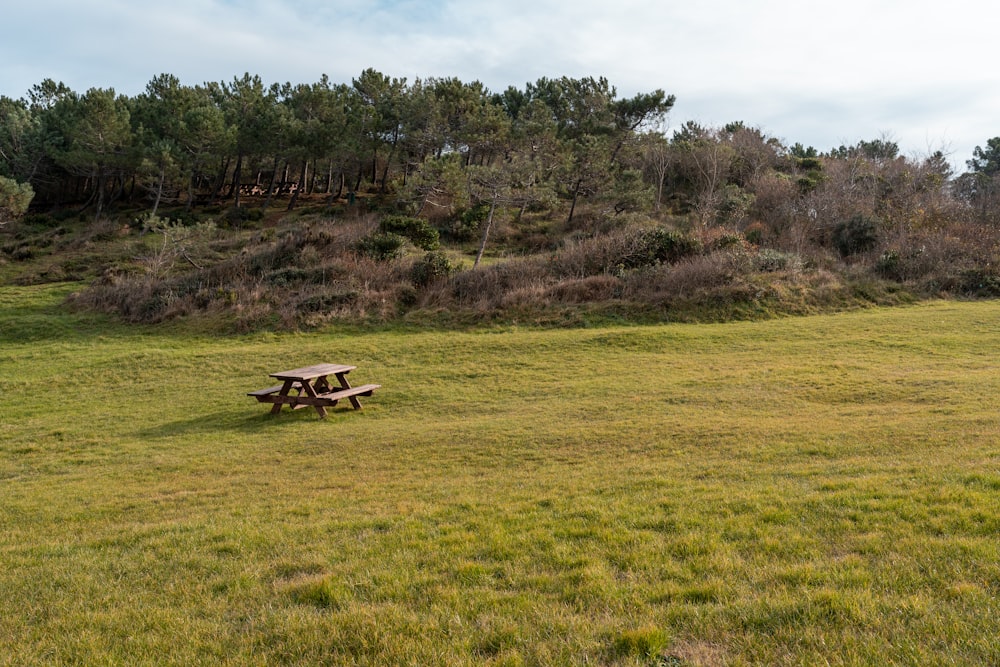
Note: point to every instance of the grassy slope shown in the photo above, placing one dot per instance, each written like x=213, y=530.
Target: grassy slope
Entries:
x=782, y=492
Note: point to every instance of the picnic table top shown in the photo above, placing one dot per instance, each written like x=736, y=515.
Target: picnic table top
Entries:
x=310, y=372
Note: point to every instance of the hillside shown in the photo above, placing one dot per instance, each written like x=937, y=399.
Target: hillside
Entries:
x=243, y=206
x=319, y=264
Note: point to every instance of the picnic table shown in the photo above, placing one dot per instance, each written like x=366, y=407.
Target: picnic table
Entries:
x=313, y=387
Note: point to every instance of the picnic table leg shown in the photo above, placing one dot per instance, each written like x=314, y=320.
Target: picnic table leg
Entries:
x=285, y=388
x=312, y=392
x=344, y=384
x=322, y=385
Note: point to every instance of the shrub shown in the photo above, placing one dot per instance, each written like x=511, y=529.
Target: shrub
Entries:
x=593, y=256
x=40, y=220
x=889, y=264
x=735, y=205
x=591, y=289
x=755, y=233
x=486, y=287
x=775, y=260
x=328, y=301
x=290, y=275
x=14, y=198
x=239, y=217
x=855, y=235
x=431, y=267
x=465, y=225
x=660, y=245
x=979, y=281
x=683, y=279
x=723, y=240
x=382, y=246
x=623, y=250
x=417, y=230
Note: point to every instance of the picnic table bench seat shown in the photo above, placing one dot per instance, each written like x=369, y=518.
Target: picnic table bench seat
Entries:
x=265, y=392
x=263, y=395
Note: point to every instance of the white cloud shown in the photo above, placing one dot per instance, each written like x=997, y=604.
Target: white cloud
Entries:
x=819, y=72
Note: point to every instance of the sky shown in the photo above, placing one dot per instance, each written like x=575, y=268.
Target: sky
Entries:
x=822, y=73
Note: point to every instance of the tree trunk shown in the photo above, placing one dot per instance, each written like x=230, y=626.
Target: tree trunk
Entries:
x=661, y=177
x=388, y=162
x=385, y=175
x=486, y=231
x=295, y=195
x=100, y=193
x=159, y=190
x=234, y=187
x=572, y=207
x=190, y=201
x=220, y=179
x=270, y=186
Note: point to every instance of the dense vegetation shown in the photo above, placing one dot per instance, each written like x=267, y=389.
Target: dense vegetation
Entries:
x=290, y=205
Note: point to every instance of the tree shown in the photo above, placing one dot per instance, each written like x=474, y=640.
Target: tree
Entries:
x=246, y=106
x=981, y=185
x=204, y=138
x=592, y=126
x=381, y=108
x=510, y=182
x=97, y=132
x=656, y=159
x=21, y=146
x=986, y=161
x=14, y=199
x=704, y=164
x=157, y=117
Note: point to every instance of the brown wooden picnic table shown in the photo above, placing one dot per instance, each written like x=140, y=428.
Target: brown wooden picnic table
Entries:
x=313, y=387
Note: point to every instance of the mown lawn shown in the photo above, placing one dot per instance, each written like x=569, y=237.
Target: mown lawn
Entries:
x=822, y=490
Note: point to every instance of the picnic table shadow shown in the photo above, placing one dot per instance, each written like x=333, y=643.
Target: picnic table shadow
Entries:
x=233, y=421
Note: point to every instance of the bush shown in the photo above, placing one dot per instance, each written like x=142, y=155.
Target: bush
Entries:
x=487, y=287
x=239, y=217
x=685, y=278
x=889, y=265
x=592, y=289
x=661, y=245
x=290, y=275
x=433, y=266
x=328, y=301
x=755, y=233
x=14, y=198
x=417, y=230
x=856, y=235
x=623, y=250
x=774, y=260
x=382, y=246
x=467, y=223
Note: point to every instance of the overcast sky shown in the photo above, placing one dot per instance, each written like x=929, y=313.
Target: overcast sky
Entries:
x=823, y=73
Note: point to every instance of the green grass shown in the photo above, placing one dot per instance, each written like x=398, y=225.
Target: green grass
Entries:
x=821, y=490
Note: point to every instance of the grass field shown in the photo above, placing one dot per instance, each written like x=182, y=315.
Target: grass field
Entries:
x=822, y=490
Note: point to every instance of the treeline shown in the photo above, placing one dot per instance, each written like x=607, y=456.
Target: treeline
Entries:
x=221, y=141
x=444, y=142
